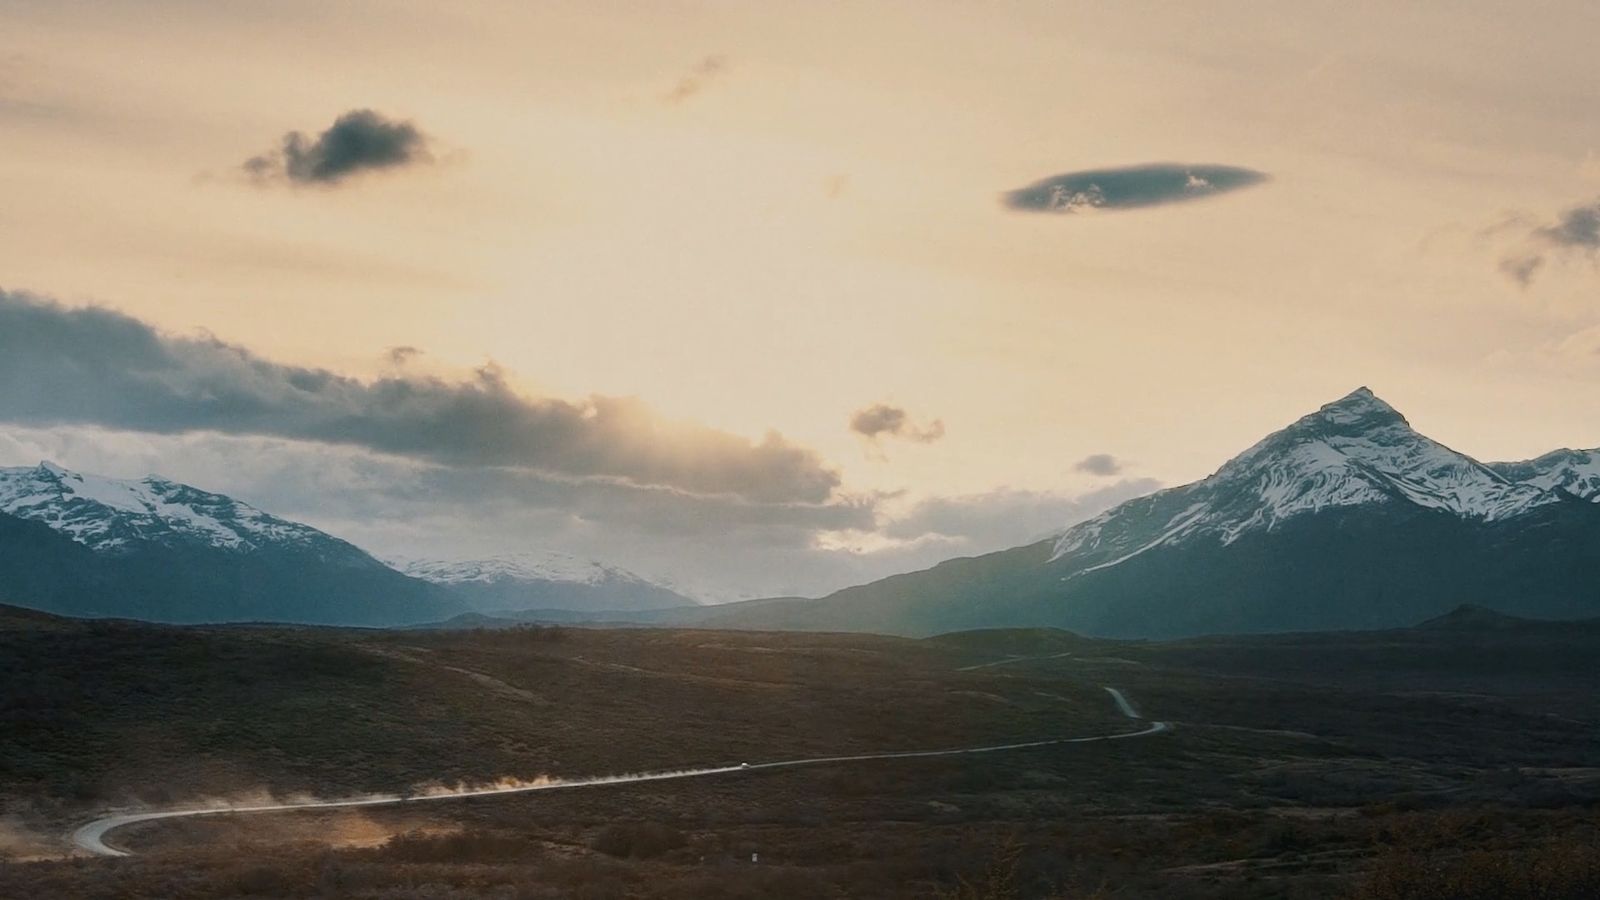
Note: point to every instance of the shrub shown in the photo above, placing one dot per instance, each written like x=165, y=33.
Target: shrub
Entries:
x=638, y=840
x=1565, y=871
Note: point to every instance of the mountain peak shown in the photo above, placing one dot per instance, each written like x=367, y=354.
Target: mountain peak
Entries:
x=110, y=514
x=1360, y=409
x=1357, y=451
x=50, y=469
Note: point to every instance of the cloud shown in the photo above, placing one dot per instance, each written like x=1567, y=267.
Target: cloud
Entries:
x=1522, y=267
x=361, y=140
x=1130, y=187
x=1578, y=227
x=95, y=366
x=1574, y=233
x=880, y=419
x=399, y=356
x=1576, y=353
x=979, y=523
x=1102, y=464
x=697, y=79
x=407, y=465
x=722, y=547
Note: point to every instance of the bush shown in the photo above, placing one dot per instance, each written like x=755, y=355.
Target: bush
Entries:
x=470, y=846
x=1566, y=871
x=638, y=840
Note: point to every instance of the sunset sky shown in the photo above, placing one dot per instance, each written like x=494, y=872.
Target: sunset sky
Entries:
x=778, y=297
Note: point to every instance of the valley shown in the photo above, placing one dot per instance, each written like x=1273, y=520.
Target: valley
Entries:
x=810, y=451
x=1300, y=765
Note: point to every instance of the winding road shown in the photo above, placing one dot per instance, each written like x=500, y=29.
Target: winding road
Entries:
x=91, y=837
x=1012, y=660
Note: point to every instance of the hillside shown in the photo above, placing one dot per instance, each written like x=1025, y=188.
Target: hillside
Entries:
x=157, y=550
x=112, y=711
x=1298, y=766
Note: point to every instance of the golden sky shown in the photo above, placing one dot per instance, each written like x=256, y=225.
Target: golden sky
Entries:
x=769, y=216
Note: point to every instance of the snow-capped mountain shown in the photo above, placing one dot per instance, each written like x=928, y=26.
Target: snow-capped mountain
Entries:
x=1576, y=472
x=151, y=548
x=1356, y=451
x=1347, y=518
x=106, y=514
x=544, y=579
x=544, y=565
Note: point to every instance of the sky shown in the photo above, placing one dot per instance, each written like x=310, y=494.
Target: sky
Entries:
x=772, y=298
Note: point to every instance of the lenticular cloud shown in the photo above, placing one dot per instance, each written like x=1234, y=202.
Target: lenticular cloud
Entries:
x=1131, y=187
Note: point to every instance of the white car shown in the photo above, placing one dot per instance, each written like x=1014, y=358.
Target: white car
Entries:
x=744, y=765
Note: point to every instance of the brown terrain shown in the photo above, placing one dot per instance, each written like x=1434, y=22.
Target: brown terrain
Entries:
x=1455, y=759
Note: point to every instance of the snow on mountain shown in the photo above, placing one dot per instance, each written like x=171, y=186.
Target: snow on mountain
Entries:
x=1356, y=451
x=108, y=514
x=545, y=579
x=1575, y=471
x=543, y=565
x=153, y=549
x=1347, y=518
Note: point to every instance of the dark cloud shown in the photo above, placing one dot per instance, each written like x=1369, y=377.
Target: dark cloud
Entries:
x=1576, y=232
x=1131, y=187
x=1578, y=227
x=697, y=79
x=361, y=140
x=399, y=356
x=1102, y=464
x=99, y=367
x=880, y=419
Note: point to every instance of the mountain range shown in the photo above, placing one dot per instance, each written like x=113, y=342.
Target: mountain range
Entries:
x=1347, y=518
x=154, y=549
x=544, y=580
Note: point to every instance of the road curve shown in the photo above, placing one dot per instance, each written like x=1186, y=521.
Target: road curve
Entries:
x=1012, y=660
x=91, y=837
x=1122, y=704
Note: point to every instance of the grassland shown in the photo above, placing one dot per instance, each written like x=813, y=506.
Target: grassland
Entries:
x=1384, y=765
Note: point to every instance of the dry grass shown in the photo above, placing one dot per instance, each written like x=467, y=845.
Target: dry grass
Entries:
x=1283, y=780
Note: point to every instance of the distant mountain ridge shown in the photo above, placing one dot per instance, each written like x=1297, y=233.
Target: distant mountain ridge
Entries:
x=1346, y=518
x=545, y=580
x=1576, y=472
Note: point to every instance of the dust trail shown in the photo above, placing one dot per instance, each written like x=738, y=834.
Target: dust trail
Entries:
x=91, y=836
x=1123, y=704
x=19, y=843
